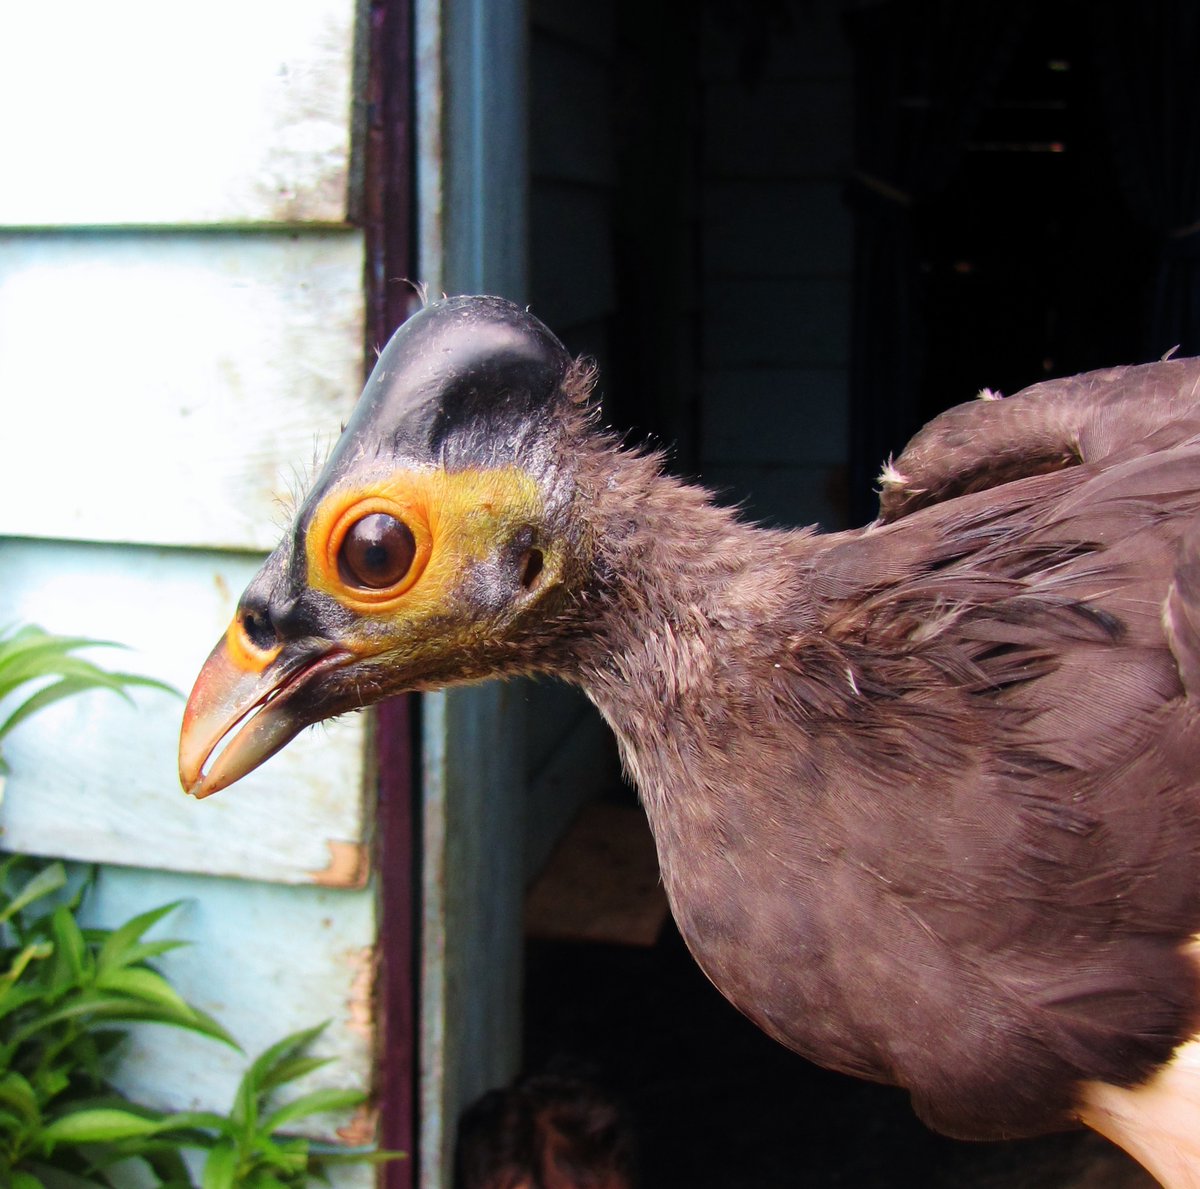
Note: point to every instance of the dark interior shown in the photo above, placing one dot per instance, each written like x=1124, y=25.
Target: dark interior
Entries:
x=1001, y=236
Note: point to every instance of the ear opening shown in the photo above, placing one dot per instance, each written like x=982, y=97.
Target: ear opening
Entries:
x=532, y=565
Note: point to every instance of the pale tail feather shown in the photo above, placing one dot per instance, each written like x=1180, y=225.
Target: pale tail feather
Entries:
x=1157, y=1123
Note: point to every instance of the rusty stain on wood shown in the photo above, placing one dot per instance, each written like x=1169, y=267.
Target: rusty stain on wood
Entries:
x=348, y=867
x=360, y=1132
x=360, y=1005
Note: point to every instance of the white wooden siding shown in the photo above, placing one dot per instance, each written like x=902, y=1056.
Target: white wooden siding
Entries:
x=181, y=334
x=144, y=112
x=94, y=778
x=177, y=387
x=264, y=960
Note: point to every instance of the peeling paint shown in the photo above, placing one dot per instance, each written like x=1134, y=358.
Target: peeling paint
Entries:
x=360, y=1006
x=348, y=867
x=362, y=1128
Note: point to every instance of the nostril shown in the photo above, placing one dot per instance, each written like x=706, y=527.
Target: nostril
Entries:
x=256, y=623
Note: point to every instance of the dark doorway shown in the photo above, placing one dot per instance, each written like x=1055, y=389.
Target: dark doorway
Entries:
x=1032, y=264
x=1025, y=202
x=690, y=232
x=716, y=1105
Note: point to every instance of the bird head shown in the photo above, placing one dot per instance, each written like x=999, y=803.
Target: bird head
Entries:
x=433, y=549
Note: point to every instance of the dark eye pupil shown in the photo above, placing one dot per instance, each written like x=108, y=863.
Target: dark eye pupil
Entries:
x=376, y=552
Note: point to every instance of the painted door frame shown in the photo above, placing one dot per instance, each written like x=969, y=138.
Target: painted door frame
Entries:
x=472, y=181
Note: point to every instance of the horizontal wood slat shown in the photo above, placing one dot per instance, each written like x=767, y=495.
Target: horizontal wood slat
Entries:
x=265, y=961
x=139, y=112
x=171, y=389
x=93, y=778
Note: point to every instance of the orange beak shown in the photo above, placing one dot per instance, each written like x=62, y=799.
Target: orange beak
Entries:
x=253, y=703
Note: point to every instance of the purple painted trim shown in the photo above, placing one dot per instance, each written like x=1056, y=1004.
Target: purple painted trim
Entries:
x=388, y=217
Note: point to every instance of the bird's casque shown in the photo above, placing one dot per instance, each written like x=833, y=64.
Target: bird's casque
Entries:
x=925, y=794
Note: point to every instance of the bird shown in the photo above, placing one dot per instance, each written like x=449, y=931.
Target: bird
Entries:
x=924, y=793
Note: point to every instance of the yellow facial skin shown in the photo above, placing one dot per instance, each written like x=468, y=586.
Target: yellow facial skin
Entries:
x=457, y=519
x=451, y=617
x=243, y=654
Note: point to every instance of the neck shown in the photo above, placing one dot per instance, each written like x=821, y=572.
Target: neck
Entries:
x=684, y=603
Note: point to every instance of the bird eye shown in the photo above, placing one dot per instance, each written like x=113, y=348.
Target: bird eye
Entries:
x=376, y=552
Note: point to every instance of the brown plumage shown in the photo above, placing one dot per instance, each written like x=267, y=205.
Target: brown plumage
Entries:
x=924, y=794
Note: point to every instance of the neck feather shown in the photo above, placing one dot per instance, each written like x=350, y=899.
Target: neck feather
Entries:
x=683, y=602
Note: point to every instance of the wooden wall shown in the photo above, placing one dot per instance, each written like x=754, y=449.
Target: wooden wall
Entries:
x=181, y=320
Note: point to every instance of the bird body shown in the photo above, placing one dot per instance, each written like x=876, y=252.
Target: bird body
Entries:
x=924, y=793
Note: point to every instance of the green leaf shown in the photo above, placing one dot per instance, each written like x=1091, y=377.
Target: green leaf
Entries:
x=31, y=654
x=152, y=949
x=50, y=1083
x=100, y=1125
x=327, y=1154
x=45, y=883
x=291, y=1069
x=167, y=1163
x=197, y=1121
x=316, y=1103
x=67, y=966
x=264, y=1074
x=220, y=1169
x=26, y=1180
x=118, y=946
x=11, y=998
x=140, y=983
x=17, y=1093
x=95, y=1006
x=270, y=1067
x=66, y=687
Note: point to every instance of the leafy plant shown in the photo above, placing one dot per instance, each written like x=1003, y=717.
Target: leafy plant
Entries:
x=246, y=1149
x=31, y=656
x=68, y=994
x=64, y=994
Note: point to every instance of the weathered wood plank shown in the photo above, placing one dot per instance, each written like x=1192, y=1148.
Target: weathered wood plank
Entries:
x=172, y=385
x=95, y=779
x=265, y=960
x=138, y=112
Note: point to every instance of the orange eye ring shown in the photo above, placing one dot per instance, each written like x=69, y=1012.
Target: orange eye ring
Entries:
x=353, y=515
